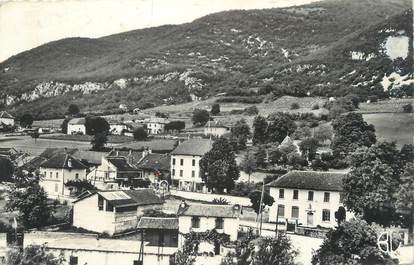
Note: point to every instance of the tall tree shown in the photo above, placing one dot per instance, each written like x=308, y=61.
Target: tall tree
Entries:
x=261, y=157
x=323, y=133
x=371, y=184
x=73, y=109
x=64, y=125
x=259, y=130
x=248, y=164
x=255, y=198
x=26, y=120
x=281, y=125
x=32, y=205
x=32, y=255
x=218, y=167
x=140, y=134
x=200, y=117
x=99, y=141
x=240, y=132
x=405, y=197
x=351, y=132
x=6, y=169
x=215, y=109
x=96, y=125
x=353, y=242
x=308, y=148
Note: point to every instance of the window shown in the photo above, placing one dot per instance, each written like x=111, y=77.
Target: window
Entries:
x=341, y=197
x=57, y=175
x=326, y=215
x=173, y=172
x=182, y=162
x=193, y=173
x=109, y=207
x=100, y=203
x=194, y=162
x=281, y=193
x=73, y=260
x=195, y=222
x=137, y=262
x=295, y=194
x=56, y=187
x=310, y=196
x=77, y=176
x=181, y=173
x=326, y=196
x=173, y=161
x=281, y=211
x=45, y=174
x=295, y=212
x=219, y=223
x=50, y=175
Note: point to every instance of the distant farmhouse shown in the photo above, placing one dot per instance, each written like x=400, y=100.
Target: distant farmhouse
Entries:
x=185, y=168
x=156, y=125
x=77, y=126
x=216, y=129
x=118, y=128
x=6, y=119
x=307, y=198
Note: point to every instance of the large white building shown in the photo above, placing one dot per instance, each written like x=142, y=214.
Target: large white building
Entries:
x=185, y=168
x=155, y=125
x=57, y=171
x=76, y=126
x=308, y=198
x=216, y=129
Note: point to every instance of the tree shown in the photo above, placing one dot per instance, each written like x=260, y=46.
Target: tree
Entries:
x=263, y=251
x=275, y=155
x=98, y=141
x=308, y=148
x=294, y=106
x=32, y=205
x=352, y=242
x=259, y=130
x=253, y=110
x=248, y=164
x=96, y=125
x=64, y=125
x=215, y=109
x=200, y=117
x=32, y=255
x=35, y=135
x=373, y=181
x=261, y=157
x=218, y=167
x=73, y=109
x=351, y=132
x=323, y=133
x=140, y=134
x=281, y=125
x=302, y=133
x=340, y=215
x=255, y=197
x=240, y=132
x=26, y=120
x=175, y=126
x=408, y=108
x=405, y=196
x=6, y=169
x=161, y=115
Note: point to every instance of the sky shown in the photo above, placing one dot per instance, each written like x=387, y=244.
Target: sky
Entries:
x=26, y=24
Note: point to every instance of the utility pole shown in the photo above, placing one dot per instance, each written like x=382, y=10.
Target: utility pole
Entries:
x=277, y=220
x=261, y=209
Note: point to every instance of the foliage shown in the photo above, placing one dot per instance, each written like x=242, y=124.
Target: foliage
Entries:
x=373, y=181
x=99, y=141
x=215, y=109
x=26, y=120
x=220, y=201
x=243, y=188
x=6, y=169
x=96, y=125
x=218, y=167
x=352, y=242
x=239, y=99
x=319, y=165
x=351, y=132
x=32, y=255
x=260, y=157
x=64, y=125
x=263, y=251
x=35, y=135
x=250, y=111
x=240, y=133
x=308, y=148
x=156, y=213
x=259, y=130
x=294, y=106
x=280, y=125
x=175, y=126
x=161, y=115
x=340, y=215
x=302, y=133
x=405, y=196
x=408, y=108
x=73, y=109
x=200, y=117
x=32, y=205
x=275, y=155
x=248, y=164
x=140, y=134
x=323, y=133
x=255, y=197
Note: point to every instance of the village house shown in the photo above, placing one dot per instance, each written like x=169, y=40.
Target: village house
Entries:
x=185, y=168
x=6, y=119
x=307, y=198
x=113, y=211
x=155, y=167
x=114, y=173
x=159, y=231
x=162, y=146
x=203, y=218
x=118, y=128
x=288, y=142
x=77, y=126
x=57, y=171
x=216, y=129
x=156, y=125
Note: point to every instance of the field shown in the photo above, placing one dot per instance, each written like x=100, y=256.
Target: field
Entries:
x=397, y=127
x=384, y=106
x=115, y=139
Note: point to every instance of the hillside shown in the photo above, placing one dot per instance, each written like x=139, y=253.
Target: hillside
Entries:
x=327, y=48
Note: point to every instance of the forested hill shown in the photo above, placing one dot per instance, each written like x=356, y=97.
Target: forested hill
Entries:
x=330, y=47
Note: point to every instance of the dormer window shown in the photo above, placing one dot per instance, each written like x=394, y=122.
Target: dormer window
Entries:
x=69, y=162
x=195, y=222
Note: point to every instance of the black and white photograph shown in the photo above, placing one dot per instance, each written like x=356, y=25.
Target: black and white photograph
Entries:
x=206, y=132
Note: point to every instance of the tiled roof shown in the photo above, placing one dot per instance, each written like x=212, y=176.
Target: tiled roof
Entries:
x=50, y=152
x=65, y=161
x=156, y=145
x=310, y=180
x=120, y=163
x=155, y=162
x=122, y=198
x=91, y=157
x=132, y=156
x=158, y=223
x=6, y=115
x=208, y=210
x=8, y=151
x=215, y=124
x=196, y=147
x=78, y=121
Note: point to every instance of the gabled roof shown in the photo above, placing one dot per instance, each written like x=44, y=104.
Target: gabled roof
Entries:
x=196, y=147
x=78, y=121
x=209, y=210
x=8, y=151
x=65, y=161
x=158, y=223
x=124, y=198
x=91, y=157
x=155, y=162
x=287, y=141
x=156, y=145
x=216, y=124
x=6, y=115
x=120, y=163
x=50, y=152
x=157, y=120
x=310, y=180
x=132, y=156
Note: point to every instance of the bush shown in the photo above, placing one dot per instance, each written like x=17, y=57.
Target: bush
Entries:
x=140, y=134
x=315, y=107
x=408, y=108
x=294, y=105
x=221, y=201
x=248, y=100
x=373, y=98
x=215, y=109
x=251, y=111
